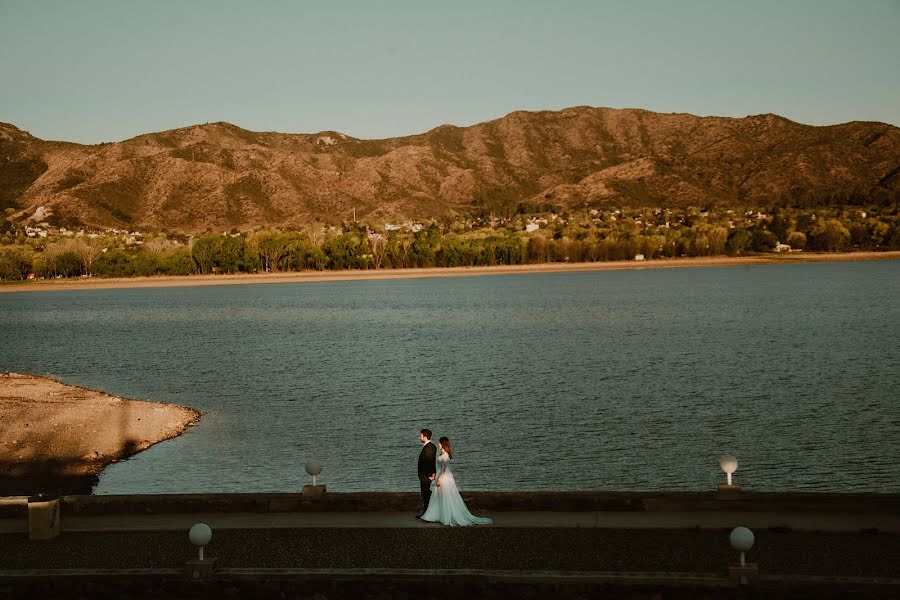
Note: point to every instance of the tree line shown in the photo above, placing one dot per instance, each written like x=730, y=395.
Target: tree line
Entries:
x=601, y=237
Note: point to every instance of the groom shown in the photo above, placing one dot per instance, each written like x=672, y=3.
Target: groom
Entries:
x=427, y=469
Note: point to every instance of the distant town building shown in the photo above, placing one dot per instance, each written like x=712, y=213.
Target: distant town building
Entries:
x=638, y=257
x=531, y=227
x=779, y=247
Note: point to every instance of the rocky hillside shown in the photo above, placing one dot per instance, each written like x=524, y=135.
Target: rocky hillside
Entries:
x=220, y=176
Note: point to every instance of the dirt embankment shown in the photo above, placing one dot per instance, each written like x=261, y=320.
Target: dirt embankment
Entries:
x=56, y=438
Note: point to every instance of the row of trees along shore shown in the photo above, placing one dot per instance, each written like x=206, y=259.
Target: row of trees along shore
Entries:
x=582, y=236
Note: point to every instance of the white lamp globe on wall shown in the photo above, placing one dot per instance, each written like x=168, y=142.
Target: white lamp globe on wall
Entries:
x=729, y=465
x=742, y=540
x=200, y=535
x=313, y=467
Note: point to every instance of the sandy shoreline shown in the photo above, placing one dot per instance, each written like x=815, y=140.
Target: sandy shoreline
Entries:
x=57, y=438
x=360, y=275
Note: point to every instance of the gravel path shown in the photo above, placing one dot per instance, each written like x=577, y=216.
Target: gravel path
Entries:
x=844, y=554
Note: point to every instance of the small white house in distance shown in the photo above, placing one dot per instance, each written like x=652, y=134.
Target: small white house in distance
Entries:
x=638, y=257
x=779, y=247
x=532, y=227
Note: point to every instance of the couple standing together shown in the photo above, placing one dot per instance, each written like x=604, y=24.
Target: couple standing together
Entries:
x=444, y=504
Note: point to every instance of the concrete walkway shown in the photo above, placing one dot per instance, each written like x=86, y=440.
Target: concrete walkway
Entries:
x=796, y=521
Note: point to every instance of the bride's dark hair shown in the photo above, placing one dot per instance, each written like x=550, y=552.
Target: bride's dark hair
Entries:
x=445, y=444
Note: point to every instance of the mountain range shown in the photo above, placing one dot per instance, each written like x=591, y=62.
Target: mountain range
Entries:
x=221, y=177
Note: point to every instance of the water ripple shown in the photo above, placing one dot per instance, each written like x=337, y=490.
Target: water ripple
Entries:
x=580, y=381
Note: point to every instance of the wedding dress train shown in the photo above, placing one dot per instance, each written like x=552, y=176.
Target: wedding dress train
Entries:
x=446, y=505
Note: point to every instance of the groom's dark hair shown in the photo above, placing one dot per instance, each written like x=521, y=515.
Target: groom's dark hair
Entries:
x=426, y=433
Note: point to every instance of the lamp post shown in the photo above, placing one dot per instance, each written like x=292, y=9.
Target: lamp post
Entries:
x=313, y=468
x=200, y=535
x=729, y=465
x=742, y=540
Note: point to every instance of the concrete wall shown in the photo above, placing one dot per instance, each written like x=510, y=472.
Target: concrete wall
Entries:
x=477, y=501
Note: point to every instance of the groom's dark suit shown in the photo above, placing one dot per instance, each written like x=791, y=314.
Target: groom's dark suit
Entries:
x=426, y=471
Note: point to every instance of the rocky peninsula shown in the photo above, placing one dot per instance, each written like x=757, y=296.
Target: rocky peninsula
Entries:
x=57, y=438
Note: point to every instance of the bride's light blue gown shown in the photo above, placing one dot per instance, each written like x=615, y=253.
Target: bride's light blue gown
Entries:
x=446, y=505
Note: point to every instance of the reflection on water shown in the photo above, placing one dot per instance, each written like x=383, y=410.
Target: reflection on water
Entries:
x=607, y=380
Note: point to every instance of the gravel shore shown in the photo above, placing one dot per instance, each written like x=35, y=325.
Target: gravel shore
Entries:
x=56, y=438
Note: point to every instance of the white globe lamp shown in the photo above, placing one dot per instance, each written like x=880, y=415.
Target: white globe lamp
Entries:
x=742, y=540
x=200, y=535
x=729, y=465
x=314, y=467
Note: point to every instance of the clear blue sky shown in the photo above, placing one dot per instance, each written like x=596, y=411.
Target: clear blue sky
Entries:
x=91, y=71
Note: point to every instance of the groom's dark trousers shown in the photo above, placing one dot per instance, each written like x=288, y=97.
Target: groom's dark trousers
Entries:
x=426, y=471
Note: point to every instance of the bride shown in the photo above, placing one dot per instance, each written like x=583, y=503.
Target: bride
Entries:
x=446, y=505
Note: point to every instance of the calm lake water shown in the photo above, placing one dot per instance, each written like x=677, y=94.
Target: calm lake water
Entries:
x=617, y=380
